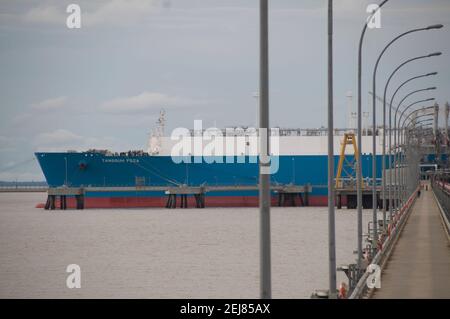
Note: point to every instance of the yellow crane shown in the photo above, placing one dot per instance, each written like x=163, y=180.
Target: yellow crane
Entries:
x=346, y=166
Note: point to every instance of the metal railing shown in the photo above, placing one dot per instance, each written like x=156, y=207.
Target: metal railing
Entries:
x=346, y=182
x=24, y=189
x=278, y=131
x=385, y=246
x=441, y=191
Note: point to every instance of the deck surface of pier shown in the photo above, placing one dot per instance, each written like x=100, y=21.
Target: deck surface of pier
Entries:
x=419, y=266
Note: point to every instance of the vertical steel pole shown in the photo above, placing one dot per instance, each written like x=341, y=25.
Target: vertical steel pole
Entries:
x=407, y=161
x=331, y=217
x=383, y=164
x=447, y=110
x=390, y=165
x=374, y=176
x=404, y=164
x=264, y=177
x=401, y=146
x=398, y=141
x=359, y=169
x=391, y=157
x=435, y=126
x=359, y=159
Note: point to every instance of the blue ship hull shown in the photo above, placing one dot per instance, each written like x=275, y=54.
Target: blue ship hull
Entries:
x=100, y=170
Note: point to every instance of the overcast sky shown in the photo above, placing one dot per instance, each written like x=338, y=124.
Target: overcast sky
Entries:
x=102, y=86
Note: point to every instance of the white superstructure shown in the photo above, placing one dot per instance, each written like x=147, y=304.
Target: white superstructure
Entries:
x=288, y=142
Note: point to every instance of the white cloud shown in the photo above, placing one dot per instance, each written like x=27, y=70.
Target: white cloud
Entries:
x=63, y=140
x=50, y=104
x=147, y=101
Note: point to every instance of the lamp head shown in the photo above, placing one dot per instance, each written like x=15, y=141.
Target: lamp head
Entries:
x=434, y=54
x=432, y=88
x=432, y=73
x=435, y=26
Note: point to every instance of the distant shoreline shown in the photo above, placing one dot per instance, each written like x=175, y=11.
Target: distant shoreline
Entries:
x=25, y=183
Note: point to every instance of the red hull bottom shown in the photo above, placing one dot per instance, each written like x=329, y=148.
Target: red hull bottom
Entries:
x=160, y=202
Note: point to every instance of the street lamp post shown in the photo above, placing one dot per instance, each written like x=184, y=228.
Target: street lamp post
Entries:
x=409, y=162
x=386, y=88
x=397, y=153
x=390, y=135
x=406, y=179
x=359, y=142
x=374, y=191
x=264, y=177
x=419, y=127
x=331, y=212
x=420, y=116
x=395, y=134
x=422, y=122
x=413, y=120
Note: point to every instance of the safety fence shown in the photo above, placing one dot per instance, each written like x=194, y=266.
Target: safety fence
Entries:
x=441, y=191
x=385, y=246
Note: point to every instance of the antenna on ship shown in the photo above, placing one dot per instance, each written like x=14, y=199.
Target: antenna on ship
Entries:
x=255, y=95
x=350, y=113
x=162, y=121
x=155, y=141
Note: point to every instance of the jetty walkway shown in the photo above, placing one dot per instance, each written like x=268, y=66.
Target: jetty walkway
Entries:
x=419, y=266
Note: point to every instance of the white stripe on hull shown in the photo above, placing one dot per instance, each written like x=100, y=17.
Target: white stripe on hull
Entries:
x=287, y=145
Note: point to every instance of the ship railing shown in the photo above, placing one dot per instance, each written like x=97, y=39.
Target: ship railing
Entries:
x=349, y=182
x=250, y=131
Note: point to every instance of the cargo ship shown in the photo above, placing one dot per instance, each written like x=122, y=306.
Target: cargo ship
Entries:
x=301, y=159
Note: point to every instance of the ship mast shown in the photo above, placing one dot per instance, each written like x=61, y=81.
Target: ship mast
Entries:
x=155, y=141
x=350, y=113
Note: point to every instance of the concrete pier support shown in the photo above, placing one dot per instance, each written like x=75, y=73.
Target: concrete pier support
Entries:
x=287, y=194
x=306, y=201
x=51, y=202
x=200, y=200
x=288, y=199
x=80, y=201
x=171, y=201
x=62, y=193
x=184, y=203
x=63, y=202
